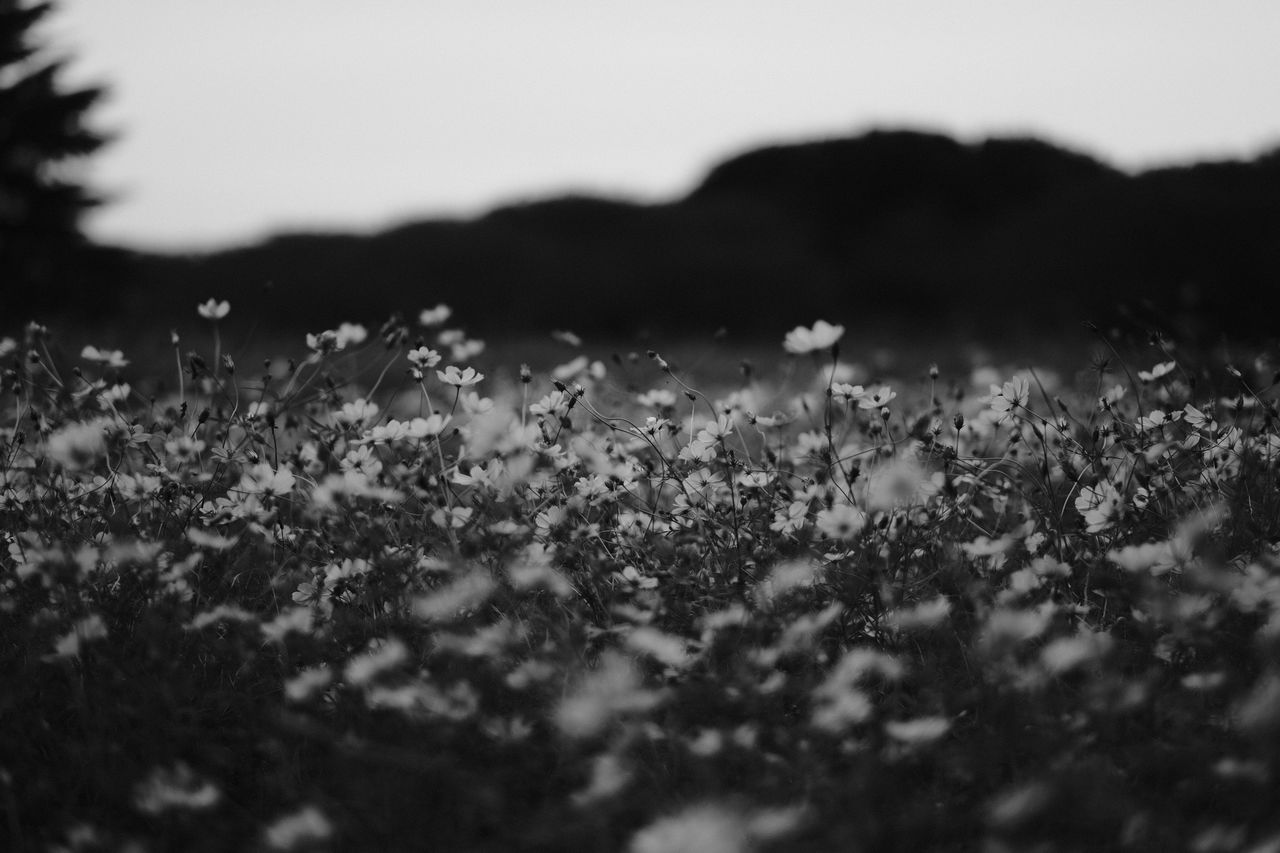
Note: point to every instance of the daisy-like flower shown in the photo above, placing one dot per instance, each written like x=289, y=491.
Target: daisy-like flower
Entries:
x=1197, y=419
x=569, y=370
x=657, y=398
x=351, y=333
x=791, y=519
x=261, y=479
x=713, y=431
x=464, y=378
x=566, y=337
x=556, y=404
x=842, y=521
x=115, y=394
x=423, y=357
x=702, y=484
x=653, y=426
x=755, y=479
x=822, y=336
x=78, y=445
x=325, y=342
x=474, y=404
x=428, y=427
x=1013, y=395
x=174, y=788
x=777, y=419
x=594, y=488
x=362, y=459
x=435, y=316
x=1157, y=419
x=213, y=309
x=469, y=348
x=843, y=392
x=1101, y=506
x=357, y=412
x=111, y=358
x=877, y=398
x=1164, y=368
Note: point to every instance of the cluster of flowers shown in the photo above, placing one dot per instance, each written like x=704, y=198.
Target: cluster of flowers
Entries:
x=601, y=609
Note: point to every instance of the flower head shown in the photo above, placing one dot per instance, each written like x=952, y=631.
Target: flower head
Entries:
x=466, y=377
x=214, y=310
x=424, y=357
x=1164, y=368
x=801, y=340
x=435, y=316
x=111, y=358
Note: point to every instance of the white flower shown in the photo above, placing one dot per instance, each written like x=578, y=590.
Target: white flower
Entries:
x=474, y=404
x=566, y=337
x=459, y=378
x=78, y=445
x=843, y=392
x=178, y=787
x=790, y=519
x=261, y=479
x=111, y=358
x=555, y=404
x=1101, y=506
x=358, y=412
x=1014, y=395
x=382, y=656
x=842, y=521
x=657, y=398
x=324, y=342
x=351, y=333
x=424, y=357
x=1157, y=419
x=466, y=349
x=362, y=459
x=570, y=369
x=919, y=730
x=822, y=336
x=115, y=394
x=435, y=316
x=1164, y=368
x=427, y=427
x=877, y=398
x=612, y=690
x=301, y=829
x=214, y=310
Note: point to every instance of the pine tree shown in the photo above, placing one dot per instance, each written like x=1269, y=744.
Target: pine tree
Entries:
x=43, y=138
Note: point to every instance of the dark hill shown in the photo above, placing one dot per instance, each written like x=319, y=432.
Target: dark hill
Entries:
x=900, y=225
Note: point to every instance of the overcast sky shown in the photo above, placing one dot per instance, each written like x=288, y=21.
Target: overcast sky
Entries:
x=241, y=117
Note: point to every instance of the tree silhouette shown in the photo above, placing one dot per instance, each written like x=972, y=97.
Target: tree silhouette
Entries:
x=43, y=137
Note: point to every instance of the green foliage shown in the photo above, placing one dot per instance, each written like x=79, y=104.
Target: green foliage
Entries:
x=353, y=604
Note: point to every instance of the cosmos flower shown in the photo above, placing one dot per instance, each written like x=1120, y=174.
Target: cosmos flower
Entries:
x=1013, y=395
x=423, y=357
x=1162, y=369
x=822, y=336
x=463, y=378
x=435, y=316
x=110, y=358
x=214, y=310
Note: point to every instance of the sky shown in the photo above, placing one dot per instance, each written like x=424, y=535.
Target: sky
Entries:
x=242, y=118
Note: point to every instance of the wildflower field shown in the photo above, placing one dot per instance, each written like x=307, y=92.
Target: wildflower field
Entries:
x=385, y=595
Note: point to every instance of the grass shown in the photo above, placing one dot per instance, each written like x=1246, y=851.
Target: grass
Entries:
x=341, y=603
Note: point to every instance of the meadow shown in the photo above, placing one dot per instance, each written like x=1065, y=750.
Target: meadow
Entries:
x=383, y=593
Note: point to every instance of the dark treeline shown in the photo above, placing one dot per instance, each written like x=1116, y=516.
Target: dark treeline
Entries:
x=886, y=225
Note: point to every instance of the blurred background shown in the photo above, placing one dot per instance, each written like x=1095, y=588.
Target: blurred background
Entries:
x=981, y=170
